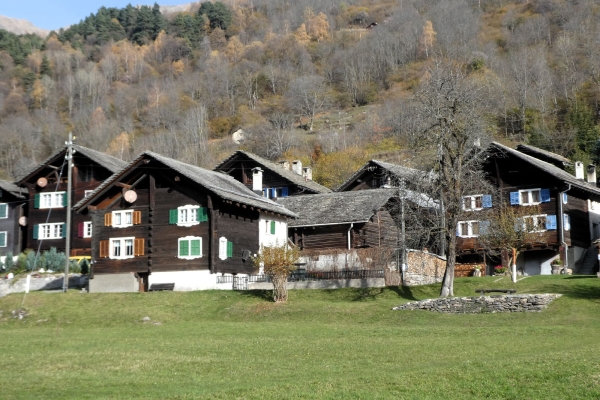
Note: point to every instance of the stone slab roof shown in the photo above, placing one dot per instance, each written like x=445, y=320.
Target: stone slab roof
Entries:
x=536, y=151
x=399, y=171
x=11, y=188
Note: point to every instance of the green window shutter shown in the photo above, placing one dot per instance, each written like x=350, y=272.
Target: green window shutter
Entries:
x=173, y=216
x=184, y=248
x=36, y=201
x=65, y=199
x=229, y=249
x=272, y=227
x=3, y=210
x=203, y=214
x=64, y=231
x=36, y=230
x=195, y=247
x=3, y=239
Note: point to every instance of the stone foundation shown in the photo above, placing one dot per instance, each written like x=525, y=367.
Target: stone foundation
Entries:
x=483, y=304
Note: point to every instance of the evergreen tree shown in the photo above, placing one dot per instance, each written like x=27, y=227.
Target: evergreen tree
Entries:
x=218, y=14
x=160, y=23
x=143, y=31
x=45, y=68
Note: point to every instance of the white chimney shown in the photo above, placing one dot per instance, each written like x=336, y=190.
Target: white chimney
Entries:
x=591, y=174
x=257, y=180
x=284, y=164
x=579, y=170
x=297, y=167
x=307, y=173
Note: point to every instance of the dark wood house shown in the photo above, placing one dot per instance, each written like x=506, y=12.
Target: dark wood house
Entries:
x=160, y=221
x=377, y=174
x=46, y=186
x=567, y=208
x=13, y=207
x=274, y=180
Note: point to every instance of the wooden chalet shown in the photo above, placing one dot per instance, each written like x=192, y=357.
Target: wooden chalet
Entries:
x=46, y=187
x=569, y=212
x=274, y=180
x=161, y=221
x=377, y=174
x=13, y=208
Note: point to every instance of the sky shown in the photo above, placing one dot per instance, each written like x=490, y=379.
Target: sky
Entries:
x=55, y=14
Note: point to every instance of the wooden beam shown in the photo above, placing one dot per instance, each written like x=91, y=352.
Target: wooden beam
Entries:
x=123, y=185
x=120, y=196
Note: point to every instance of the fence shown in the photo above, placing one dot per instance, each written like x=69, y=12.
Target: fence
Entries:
x=301, y=275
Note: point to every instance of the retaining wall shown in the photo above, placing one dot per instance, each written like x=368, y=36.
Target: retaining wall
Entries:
x=44, y=282
x=483, y=304
x=328, y=284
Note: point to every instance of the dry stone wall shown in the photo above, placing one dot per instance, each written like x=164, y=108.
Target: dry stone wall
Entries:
x=483, y=304
x=423, y=268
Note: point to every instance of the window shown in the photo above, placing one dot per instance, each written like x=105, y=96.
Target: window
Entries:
x=122, y=219
x=468, y=229
x=530, y=197
x=534, y=223
x=270, y=227
x=225, y=249
x=49, y=231
x=87, y=229
x=190, y=247
x=121, y=248
x=3, y=210
x=188, y=215
x=273, y=193
x=567, y=222
x=3, y=239
x=477, y=202
x=50, y=200
x=565, y=198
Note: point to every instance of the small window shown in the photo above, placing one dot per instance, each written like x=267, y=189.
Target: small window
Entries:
x=225, y=249
x=88, y=193
x=87, y=229
x=3, y=210
x=534, y=223
x=565, y=198
x=121, y=248
x=122, y=219
x=567, y=222
x=530, y=197
x=3, y=236
x=474, y=203
x=51, y=200
x=188, y=215
x=189, y=247
x=468, y=229
x=50, y=231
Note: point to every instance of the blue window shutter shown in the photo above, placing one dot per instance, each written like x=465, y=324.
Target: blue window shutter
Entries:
x=487, y=201
x=514, y=198
x=36, y=229
x=36, y=201
x=545, y=195
x=551, y=222
x=284, y=191
x=273, y=193
x=484, y=227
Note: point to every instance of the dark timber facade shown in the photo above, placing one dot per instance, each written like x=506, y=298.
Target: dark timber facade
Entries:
x=13, y=207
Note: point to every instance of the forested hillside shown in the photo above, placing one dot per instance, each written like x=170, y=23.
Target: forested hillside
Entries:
x=303, y=79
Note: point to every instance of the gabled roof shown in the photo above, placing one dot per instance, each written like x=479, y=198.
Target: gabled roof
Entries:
x=218, y=183
x=276, y=169
x=550, y=169
x=111, y=163
x=12, y=189
x=543, y=155
x=398, y=171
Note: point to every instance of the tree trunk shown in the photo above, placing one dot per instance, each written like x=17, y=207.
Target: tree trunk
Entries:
x=448, y=282
x=280, y=293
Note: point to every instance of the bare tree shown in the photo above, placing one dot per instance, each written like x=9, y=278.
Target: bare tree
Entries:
x=308, y=95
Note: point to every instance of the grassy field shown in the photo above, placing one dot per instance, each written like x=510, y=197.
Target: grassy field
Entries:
x=342, y=344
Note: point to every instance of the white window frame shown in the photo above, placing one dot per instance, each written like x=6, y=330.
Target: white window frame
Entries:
x=534, y=219
x=87, y=193
x=469, y=229
x=189, y=240
x=55, y=200
x=6, y=216
x=530, y=201
x=473, y=206
x=567, y=222
x=122, y=217
x=5, y=238
x=122, y=248
x=187, y=211
x=223, y=248
x=87, y=229
x=54, y=231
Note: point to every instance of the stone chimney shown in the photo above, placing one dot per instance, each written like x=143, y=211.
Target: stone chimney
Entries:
x=284, y=164
x=307, y=173
x=257, y=175
x=579, y=170
x=297, y=167
x=591, y=174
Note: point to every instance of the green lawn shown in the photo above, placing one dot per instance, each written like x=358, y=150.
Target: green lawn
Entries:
x=342, y=344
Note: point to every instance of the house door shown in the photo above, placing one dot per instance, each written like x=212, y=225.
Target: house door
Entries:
x=142, y=281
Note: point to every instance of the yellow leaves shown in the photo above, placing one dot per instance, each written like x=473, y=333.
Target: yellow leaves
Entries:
x=277, y=260
x=428, y=37
x=331, y=170
x=234, y=49
x=98, y=118
x=301, y=35
x=119, y=144
x=178, y=67
x=318, y=27
x=38, y=94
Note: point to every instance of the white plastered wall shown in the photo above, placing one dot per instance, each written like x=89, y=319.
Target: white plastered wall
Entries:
x=265, y=238
x=189, y=280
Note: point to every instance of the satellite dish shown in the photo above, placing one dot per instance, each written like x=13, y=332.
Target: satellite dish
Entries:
x=42, y=182
x=130, y=196
x=23, y=221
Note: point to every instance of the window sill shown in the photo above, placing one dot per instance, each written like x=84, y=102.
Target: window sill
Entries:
x=189, y=257
x=47, y=208
x=531, y=204
x=468, y=237
x=472, y=209
x=120, y=257
x=187, y=224
x=122, y=226
x=51, y=238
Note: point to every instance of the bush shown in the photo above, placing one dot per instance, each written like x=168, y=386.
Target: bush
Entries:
x=54, y=260
x=9, y=262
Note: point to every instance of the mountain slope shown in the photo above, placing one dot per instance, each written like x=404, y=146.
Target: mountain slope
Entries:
x=21, y=26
